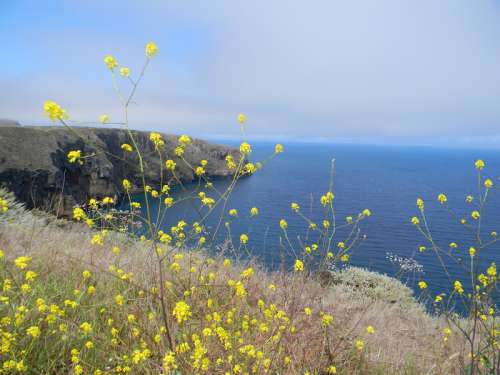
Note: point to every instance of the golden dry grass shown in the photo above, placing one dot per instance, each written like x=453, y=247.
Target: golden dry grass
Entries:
x=407, y=340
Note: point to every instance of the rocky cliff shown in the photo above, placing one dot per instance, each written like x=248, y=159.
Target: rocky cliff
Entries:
x=35, y=167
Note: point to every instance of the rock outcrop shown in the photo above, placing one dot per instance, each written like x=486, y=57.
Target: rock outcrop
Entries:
x=35, y=167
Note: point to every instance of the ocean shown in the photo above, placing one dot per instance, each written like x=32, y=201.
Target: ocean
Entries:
x=385, y=179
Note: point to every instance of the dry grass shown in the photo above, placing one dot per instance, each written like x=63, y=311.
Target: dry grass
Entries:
x=407, y=340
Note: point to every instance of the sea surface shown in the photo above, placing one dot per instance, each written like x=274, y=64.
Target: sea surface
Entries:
x=385, y=179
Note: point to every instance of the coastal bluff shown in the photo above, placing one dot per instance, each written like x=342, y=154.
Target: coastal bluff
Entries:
x=34, y=164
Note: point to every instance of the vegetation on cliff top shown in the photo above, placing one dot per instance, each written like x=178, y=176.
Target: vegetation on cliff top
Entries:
x=70, y=306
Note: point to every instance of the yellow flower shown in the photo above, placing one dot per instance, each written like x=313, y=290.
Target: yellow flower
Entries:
x=54, y=111
x=254, y=211
x=22, y=262
x=230, y=162
x=332, y=370
x=126, y=147
x=242, y=118
x=475, y=215
x=170, y=164
x=326, y=320
x=4, y=205
x=103, y=119
x=370, y=330
x=488, y=183
x=442, y=198
x=244, y=238
x=283, y=224
x=110, y=62
x=179, y=151
x=86, y=274
x=157, y=139
x=457, y=285
x=33, y=331
x=108, y=200
x=327, y=199
x=151, y=49
x=415, y=221
x=298, y=266
x=278, y=149
x=119, y=299
x=21, y=367
x=89, y=344
x=126, y=184
x=25, y=288
x=422, y=284
x=295, y=207
x=169, y=201
x=249, y=168
x=169, y=362
x=182, y=312
x=86, y=327
x=308, y=311
x=74, y=155
x=184, y=140
x=124, y=72
x=366, y=212
x=479, y=164
x=420, y=203
x=472, y=251
x=492, y=270
x=245, y=148
x=131, y=318
x=246, y=274
x=359, y=344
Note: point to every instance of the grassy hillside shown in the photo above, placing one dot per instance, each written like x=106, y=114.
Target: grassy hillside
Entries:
x=74, y=307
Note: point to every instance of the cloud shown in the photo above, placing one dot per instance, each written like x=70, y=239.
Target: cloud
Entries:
x=390, y=70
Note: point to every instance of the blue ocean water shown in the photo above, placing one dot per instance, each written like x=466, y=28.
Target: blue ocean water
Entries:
x=385, y=179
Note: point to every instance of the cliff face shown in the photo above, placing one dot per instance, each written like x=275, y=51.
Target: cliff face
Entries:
x=34, y=164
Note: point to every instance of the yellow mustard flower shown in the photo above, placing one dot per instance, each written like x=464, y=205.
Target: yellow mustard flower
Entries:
x=54, y=111
x=181, y=311
x=298, y=266
x=125, y=72
x=110, y=62
x=242, y=118
x=151, y=49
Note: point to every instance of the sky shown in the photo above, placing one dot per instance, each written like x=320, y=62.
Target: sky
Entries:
x=385, y=71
